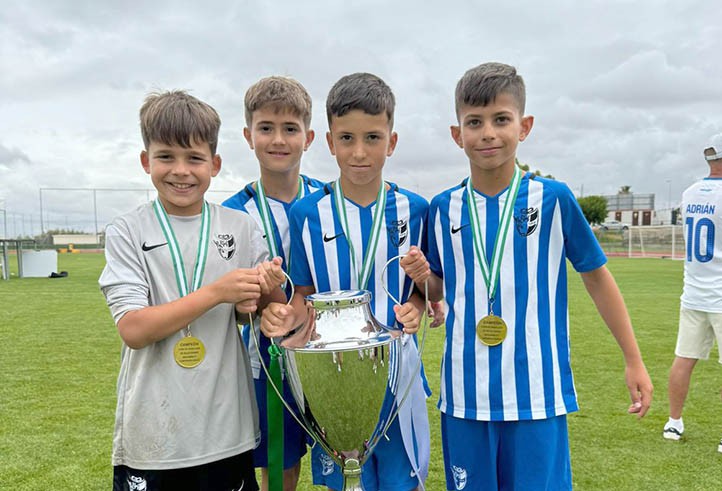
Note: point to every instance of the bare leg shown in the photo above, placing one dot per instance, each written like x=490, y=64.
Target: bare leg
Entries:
x=679, y=377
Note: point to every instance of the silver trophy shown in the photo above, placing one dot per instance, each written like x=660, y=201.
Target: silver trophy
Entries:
x=339, y=365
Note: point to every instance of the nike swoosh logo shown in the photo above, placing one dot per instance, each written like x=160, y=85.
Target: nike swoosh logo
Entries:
x=147, y=247
x=456, y=229
x=326, y=238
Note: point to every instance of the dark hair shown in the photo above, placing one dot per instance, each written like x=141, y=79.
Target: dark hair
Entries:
x=177, y=118
x=280, y=94
x=481, y=85
x=363, y=91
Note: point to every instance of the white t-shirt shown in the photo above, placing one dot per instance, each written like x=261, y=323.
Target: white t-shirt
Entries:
x=702, y=218
x=170, y=417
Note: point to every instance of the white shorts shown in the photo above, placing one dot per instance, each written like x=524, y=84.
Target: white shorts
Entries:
x=697, y=332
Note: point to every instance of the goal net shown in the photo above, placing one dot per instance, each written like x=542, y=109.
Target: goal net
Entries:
x=664, y=241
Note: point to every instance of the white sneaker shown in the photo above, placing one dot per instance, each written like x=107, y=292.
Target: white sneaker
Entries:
x=719, y=447
x=672, y=433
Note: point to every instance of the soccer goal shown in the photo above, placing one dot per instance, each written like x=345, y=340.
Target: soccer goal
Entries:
x=665, y=241
x=656, y=241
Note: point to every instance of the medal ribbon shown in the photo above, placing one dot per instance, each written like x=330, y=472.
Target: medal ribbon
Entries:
x=203, y=241
x=362, y=276
x=490, y=273
x=274, y=406
x=264, y=210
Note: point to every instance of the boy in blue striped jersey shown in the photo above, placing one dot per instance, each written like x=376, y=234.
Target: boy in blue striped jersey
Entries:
x=331, y=232
x=498, y=245
x=278, y=120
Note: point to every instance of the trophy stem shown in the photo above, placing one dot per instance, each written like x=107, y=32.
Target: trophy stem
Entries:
x=352, y=475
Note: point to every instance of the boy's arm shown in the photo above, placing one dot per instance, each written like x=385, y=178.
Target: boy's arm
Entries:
x=609, y=302
x=139, y=328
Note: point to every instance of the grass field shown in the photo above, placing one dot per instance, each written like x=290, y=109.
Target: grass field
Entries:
x=60, y=356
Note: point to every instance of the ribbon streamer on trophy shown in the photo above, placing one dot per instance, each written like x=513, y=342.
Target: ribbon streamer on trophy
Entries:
x=340, y=365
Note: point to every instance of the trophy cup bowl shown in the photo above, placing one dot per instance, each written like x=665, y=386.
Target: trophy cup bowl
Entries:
x=339, y=366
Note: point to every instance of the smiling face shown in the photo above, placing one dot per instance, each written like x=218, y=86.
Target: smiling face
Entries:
x=490, y=134
x=278, y=139
x=181, y=175
x=361, y=142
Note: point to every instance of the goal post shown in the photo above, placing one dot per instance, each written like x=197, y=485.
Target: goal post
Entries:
x=666, y=241
x=662, y=241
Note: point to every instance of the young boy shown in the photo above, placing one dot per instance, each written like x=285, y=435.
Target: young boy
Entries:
x=497, y=247
x=278, y=119
x=331, y=231
x=178, y=269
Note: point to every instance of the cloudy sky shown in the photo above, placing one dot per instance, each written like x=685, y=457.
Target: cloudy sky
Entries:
x=623, y=92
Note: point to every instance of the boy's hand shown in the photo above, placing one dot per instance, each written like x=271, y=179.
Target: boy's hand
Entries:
x=436, y=312
x=640, y=389
x=408, y=316
x=239, y=286
x=277, y=320
x=415, y=265
x=270, y=275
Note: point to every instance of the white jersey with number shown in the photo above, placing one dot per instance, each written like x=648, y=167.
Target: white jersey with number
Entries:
x=702, y=219
x=170, y=417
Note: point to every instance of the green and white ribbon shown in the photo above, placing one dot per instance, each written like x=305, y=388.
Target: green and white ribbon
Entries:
x=184, y=288
x=362, y=275
x=490, y=272
x=264, y=210
x=274, y=405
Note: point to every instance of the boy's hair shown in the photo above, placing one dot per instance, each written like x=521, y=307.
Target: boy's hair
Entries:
x=279, y=94
x=177, y=118
x=481, y=85
x=363, y=91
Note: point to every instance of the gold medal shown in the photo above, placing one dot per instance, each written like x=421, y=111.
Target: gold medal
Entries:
x=491, y=330
x=189, y=352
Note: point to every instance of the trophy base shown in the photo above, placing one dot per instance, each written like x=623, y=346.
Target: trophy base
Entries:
x=352, y=475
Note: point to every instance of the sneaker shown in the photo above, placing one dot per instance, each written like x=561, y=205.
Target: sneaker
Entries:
x=672, y=433
x=719, y=447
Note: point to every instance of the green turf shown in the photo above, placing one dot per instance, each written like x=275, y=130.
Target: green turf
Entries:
x=60, y=356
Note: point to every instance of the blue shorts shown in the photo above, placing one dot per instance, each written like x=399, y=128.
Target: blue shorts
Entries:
x=387, y=468
x=294, y=437
x=497, y=455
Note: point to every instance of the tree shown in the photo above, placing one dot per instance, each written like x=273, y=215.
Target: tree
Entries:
x=625, y=190
x=525, y=167
x=594, y=208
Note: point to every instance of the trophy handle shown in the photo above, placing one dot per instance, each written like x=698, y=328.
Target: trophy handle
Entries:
x=277, y=349
x=305, y=418
x=425, y=326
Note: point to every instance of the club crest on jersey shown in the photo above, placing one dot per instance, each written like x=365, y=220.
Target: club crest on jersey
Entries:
x=459, y=477
x=326, y=464
x=136, y=483
x=527, y=221
x=226, y=245
x=398, y=232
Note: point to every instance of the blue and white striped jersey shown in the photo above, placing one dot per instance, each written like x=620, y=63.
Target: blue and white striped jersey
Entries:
x=702, y=215
x=247, y=200
x=320, y=257
x=527, y=376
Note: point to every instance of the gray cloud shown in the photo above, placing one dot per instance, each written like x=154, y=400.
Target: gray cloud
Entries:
x=624, y=93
